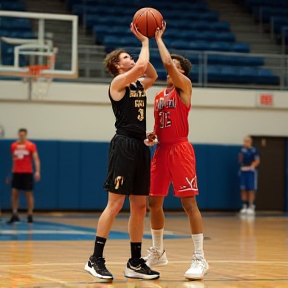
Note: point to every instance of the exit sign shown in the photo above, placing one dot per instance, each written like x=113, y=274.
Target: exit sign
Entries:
x=265, y=100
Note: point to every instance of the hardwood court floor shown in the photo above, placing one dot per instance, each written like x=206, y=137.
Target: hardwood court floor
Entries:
x=242, y=252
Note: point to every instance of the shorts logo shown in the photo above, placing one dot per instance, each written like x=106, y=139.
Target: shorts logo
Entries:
x=192, y=185
x=118, y=181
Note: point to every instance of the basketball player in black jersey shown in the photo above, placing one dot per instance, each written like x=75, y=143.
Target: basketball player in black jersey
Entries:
x=129, y=158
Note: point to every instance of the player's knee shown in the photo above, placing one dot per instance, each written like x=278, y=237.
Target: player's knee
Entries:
x=138, y=209
x=114, y=207
x=155, y=203
x=189, y=204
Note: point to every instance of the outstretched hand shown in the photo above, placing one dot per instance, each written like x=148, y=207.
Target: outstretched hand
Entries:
x=136, y=32
x=160, y=30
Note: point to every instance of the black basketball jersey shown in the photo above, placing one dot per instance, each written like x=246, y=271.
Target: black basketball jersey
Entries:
x=130, y=112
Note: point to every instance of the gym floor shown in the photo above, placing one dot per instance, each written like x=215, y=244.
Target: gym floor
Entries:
x=241, y=251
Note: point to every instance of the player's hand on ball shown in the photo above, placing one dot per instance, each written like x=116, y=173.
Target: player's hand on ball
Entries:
x=151, y=139
x=136, y=32
x=160, y=30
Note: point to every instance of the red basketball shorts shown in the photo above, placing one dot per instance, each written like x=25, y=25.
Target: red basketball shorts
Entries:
x=174, y=163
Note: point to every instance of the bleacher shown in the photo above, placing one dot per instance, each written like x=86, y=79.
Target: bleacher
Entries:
x=274, y=13
x=198, y=33
x=13, y=28
x=198, y=29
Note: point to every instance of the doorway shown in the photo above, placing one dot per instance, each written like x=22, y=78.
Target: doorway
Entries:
x=271, y=193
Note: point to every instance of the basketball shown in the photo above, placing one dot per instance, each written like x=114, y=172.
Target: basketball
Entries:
x=147, y=20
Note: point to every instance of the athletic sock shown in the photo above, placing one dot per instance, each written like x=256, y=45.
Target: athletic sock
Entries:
x=198, y=244
x=157, y=238
x=99, y=246
x=15, y=212
x=135, y=250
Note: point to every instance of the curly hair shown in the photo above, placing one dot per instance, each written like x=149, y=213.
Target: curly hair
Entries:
x=112, y=59
x=184, y=63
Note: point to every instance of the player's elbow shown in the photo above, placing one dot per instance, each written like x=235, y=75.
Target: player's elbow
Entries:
x=141, y=67
x=155, y=77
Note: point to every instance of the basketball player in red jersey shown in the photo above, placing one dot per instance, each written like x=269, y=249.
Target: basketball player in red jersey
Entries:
x=129, y=158
x=174, y=160
x=23, y=153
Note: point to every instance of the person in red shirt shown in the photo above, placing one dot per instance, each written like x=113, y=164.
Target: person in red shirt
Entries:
x=24, y=152
x=174, y=160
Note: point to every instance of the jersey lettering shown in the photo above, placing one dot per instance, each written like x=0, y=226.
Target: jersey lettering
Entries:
x=137, y=93
x=165, y=103
x=19, y=154
x=139, y=103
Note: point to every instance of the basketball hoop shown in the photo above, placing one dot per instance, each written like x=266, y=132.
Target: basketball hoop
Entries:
x=39, y=82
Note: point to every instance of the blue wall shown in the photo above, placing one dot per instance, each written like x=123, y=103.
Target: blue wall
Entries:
x=73, y=174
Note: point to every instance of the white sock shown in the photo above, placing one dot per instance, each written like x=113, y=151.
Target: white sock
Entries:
x=15, y=212
x=157, y=238
x=198, y=244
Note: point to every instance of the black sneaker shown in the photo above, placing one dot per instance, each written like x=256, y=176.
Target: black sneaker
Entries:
x=29, y=219
x=14, y=219
x=139, y=270
x=97, y=268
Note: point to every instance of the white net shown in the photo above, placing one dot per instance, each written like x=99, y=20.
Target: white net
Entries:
x=36, y=82
x=37, y=87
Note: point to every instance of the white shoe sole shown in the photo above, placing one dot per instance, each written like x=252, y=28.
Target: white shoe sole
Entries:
x=160, y=263
x=93, y=273
x=132, y=274
x=196, y=277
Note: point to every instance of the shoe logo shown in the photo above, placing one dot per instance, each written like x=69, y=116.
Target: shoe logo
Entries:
x=136, y=268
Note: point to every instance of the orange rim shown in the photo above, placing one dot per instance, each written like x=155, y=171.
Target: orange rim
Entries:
x=35, y=70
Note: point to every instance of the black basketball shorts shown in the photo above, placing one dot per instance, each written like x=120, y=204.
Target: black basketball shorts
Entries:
x=128, y=167
x=22, y=181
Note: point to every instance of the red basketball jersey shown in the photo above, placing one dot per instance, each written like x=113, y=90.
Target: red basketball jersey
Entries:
x=171, y=117
x=22, y=156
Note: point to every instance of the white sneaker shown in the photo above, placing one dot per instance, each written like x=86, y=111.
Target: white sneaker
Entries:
x=140, y=270
x=251, y=210
x=156, y=257
x=198, y=269
x=243, y=210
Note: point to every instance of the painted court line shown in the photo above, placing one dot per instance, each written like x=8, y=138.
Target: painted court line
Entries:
x=170, y=262
x=48, y=279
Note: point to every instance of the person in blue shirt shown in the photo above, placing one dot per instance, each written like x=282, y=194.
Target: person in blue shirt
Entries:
x=249, y=160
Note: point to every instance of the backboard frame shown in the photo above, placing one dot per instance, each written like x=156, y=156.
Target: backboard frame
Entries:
x=15, y=71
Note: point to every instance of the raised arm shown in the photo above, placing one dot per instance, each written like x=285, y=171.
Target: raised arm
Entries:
x=149, y=77
x=121, y=81
x=179, y=80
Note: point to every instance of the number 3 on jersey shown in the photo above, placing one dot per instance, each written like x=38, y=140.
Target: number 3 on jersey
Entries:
x=140, y=116
x=164, y=119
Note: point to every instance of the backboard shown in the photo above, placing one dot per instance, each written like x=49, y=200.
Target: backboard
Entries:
x=32, y=39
